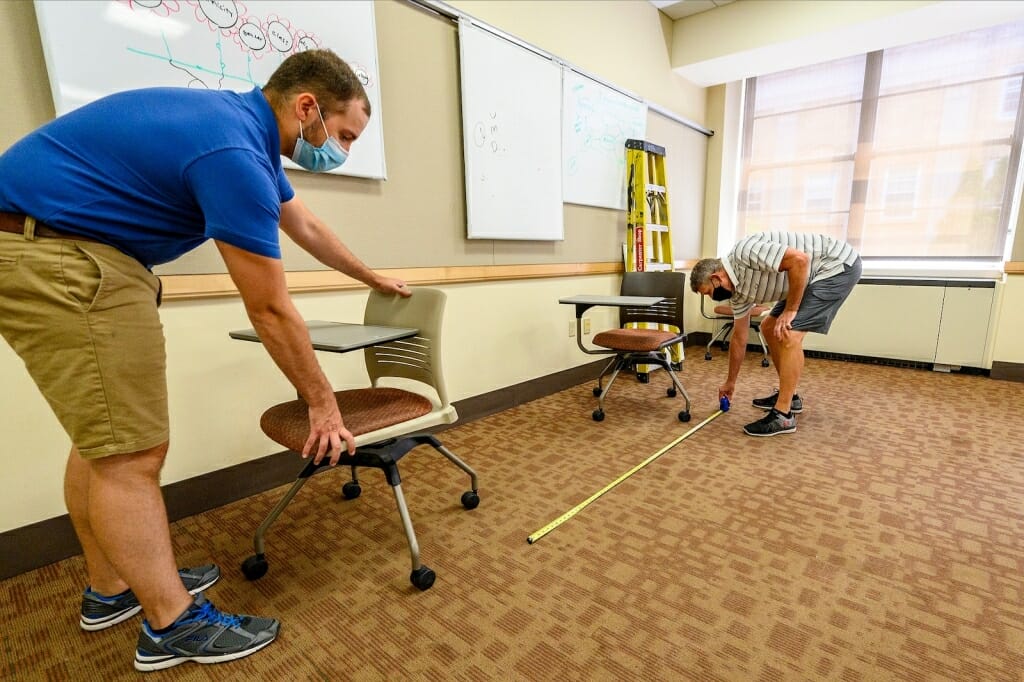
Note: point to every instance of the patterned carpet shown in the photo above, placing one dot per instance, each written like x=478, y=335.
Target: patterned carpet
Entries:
x=884, y=540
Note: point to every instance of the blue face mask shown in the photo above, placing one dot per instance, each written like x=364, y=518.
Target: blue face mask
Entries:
x=327, y=156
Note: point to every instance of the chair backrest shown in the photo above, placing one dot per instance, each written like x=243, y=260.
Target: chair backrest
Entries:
x=670, y=285
x=417, y=358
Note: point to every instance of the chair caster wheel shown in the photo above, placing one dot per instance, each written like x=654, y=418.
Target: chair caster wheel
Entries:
x=598, y=415
x=684, y=416
x=707, y=356
x=422, y=578
x=725, y=345
x=597, y=392
x=255, y=567
x=470, y=500
x=351, y=490
x=671, y=392
x=764, y=362
x=643, y=377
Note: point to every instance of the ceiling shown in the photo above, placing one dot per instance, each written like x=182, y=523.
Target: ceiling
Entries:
x=677, y=9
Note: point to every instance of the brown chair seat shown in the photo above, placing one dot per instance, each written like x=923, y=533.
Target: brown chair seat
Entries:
x=363, y=409
x=636, y=340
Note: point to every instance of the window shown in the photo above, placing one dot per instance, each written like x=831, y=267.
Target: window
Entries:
x=819, y=192
x=1011, y=98
x=755, y=195
x=908, y=152
x=900, y=193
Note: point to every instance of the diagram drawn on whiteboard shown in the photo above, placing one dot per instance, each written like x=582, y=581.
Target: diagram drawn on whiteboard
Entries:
x=602, y=124
x=236, y=34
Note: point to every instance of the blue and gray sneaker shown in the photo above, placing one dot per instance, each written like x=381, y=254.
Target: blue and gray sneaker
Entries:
x=99, y=612
x=204, y=635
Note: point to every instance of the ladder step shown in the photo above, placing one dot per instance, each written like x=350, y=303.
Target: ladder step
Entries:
x=653, y=227
x=657, y=189
x=658, y=267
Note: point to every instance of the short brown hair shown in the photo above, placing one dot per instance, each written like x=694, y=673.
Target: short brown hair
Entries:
x=320, y=72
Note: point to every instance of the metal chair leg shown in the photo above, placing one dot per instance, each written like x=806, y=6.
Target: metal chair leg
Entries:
x=459, y=463
x=410, y=534
x=257, y=541
x=720, y=335
x=620, y=364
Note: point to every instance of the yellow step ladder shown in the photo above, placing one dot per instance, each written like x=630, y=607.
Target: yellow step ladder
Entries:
x=648, y=235
x=648, y=227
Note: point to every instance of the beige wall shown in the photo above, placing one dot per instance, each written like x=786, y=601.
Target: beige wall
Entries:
x=497, y=334
x=751, y=24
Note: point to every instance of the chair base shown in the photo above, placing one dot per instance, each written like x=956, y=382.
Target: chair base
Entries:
x=384, y=456
x=630, y=361
x=722, y=335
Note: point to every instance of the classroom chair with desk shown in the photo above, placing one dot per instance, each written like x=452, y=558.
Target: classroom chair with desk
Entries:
x=724, y=312
x=646, y=298
x=407, y=395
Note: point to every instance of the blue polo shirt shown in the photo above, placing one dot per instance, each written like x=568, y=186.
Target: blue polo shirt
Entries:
x=155, y=172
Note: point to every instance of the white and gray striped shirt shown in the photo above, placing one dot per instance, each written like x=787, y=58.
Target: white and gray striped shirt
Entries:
x=753, y=265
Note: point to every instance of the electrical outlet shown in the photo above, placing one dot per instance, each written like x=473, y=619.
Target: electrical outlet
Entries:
x=586, y=325
x=572, y=328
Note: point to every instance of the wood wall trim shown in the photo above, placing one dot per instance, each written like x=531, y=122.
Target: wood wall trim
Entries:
x=1014, y=268
x=185, y=287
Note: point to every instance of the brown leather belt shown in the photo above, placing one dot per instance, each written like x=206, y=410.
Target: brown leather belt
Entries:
x=15, y=224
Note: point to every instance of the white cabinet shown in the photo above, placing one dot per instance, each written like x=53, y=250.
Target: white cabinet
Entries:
x=963, y=331
x=946, y=324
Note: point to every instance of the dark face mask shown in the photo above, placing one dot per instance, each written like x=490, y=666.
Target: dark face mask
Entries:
x=721, y=294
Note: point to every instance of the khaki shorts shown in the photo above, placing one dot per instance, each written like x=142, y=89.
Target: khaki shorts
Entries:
x=83, y=318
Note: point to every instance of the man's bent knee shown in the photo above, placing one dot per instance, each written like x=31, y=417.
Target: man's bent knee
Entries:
x=146, y=462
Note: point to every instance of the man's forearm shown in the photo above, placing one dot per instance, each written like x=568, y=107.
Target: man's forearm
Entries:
x=323, y=245
x=797, y=266
x=286, y=339
x=797, y=285
x=737, y=351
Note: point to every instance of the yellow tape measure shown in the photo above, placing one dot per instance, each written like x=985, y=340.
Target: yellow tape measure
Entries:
x=582, y=505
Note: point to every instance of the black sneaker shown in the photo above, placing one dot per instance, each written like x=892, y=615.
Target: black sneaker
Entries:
x=772, y=424
x=768, y=402
x=99, y=612
x=204, y=635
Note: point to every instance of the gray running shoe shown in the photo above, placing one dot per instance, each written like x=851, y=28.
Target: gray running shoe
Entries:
x=768, y=402
x=204, y=635
x=772, y=424
x=100, y=612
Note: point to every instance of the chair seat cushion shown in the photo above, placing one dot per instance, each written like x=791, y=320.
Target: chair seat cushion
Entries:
x=636, y=340
x=363, y=410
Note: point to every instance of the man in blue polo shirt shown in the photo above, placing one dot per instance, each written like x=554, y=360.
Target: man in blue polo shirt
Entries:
x=89, y=203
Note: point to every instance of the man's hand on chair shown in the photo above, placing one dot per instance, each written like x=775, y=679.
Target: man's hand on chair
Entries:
x=390, y=285
x=326, y=431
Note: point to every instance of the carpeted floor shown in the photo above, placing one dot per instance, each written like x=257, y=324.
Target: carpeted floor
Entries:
x=884, y=540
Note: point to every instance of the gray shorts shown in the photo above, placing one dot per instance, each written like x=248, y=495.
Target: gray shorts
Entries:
x=822, y=300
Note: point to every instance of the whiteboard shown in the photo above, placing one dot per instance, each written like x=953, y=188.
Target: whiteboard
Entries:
x=98, y=47
x=596, y=123
x=511, y=123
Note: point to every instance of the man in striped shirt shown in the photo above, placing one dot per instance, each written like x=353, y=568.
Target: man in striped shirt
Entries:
x=810, y=275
